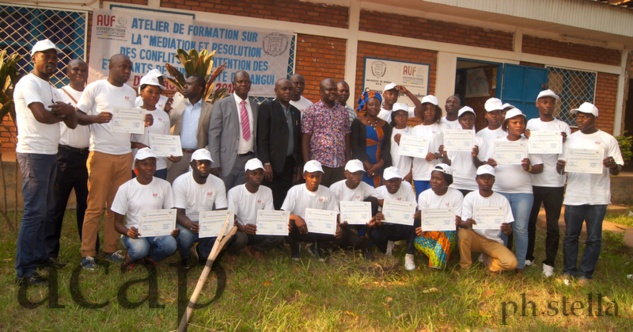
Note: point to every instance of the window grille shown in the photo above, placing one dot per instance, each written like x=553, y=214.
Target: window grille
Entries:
x=574, y=87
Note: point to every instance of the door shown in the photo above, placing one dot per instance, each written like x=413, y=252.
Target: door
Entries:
x=520, y=86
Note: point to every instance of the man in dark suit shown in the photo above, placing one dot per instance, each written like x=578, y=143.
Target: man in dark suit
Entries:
x=279, y=142
x=232, y=132
x=191, y=124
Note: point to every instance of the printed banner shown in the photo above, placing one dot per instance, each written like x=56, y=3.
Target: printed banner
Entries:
x=151, y=40
x=380, y=72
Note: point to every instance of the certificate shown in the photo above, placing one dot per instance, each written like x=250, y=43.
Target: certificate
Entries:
x=271, y=222
x=165, y=145
x=178, y=102
x=355, y=213
x=399, y=212
x=488, y=217
x=321, y=221
x=438, y=219
x=157, y=222
x=413, y=146
x=130, y=120
x=584, y=161
x=459, y=140
x=510, y=153
x=211, y=222
x=545, y=142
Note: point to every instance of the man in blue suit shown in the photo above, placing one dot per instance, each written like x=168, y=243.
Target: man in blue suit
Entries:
x=232, y=132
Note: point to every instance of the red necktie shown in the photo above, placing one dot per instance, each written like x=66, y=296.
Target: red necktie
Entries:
x=246, y=127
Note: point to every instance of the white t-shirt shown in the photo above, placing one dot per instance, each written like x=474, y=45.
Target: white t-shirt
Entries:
x=343, y=193
x=299, y=198
x=196, y=198
x=386, y=114
x=403, y=163
x=421, y=168
x=549, y=177
x=464, y=170
x=160, y=105
x=489, y=136
x=80, y=136
x=101, y=96
x=34, y=136
x=513, y=179
x=301, y=104
x=450, y=124
x=160, y=126
x=245, y=204
x=404, y=193
x=132, y=198
x=428, y=199
x=592, y=189
x=475, y=199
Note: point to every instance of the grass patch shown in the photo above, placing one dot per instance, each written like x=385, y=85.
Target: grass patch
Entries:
x=625, y=219
x=346, y=293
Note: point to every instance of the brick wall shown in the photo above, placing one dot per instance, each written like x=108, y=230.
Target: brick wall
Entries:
x=605, y=101
x=420, y=28
x=319, y=58
x=287, y=10
x=7, y=138
x=548, y=47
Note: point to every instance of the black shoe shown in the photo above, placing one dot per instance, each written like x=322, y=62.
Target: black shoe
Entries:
x=33, y=279
x=51, y=262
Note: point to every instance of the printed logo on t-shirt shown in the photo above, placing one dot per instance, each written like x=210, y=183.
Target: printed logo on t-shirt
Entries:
x=322, y=199
x=357, y=197
x=156, y=195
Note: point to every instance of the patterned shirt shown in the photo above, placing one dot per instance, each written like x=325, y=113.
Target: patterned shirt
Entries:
x=328, y=127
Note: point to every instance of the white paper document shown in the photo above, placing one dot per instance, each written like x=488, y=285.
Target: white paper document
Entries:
x=165, y=145
x=178, y=102
x=321, y=221
x=488, y=217
x=211, y=222
x=510, y=153
x=399, y=212
x=157, y=222
x=545, y=142
x=272, y=222
x=355, y=213
x=584, y=161
x=130, y=120
x=459, y=140
x=413, y=146
x=438, y=219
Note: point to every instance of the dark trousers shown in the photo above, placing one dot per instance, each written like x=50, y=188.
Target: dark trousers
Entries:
x=281, y=182
x=394, y=232
x=552, y=199
x=322, y=241
x=71, y=174
x=257, y=242
x=332, y=175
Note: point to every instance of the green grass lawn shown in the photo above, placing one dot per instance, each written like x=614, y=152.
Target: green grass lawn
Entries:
x=346, y=293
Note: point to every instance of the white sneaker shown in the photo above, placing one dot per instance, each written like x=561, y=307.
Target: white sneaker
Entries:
x=528, y=263
x=548, y=270
x=390, y=245
x=409, y=262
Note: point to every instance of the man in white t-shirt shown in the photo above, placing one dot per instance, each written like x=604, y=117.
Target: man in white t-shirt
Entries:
x=548, y=186
x=497, y=257
x=38, y=109
x=390, y=94
x=310, y=194
x=71, y=162
x=452, y=106
x=197, y=191
x=245, y=200
x=110, y=158
x=587, y=195
x=143, y=193
x=494, y=117
x=298, y=100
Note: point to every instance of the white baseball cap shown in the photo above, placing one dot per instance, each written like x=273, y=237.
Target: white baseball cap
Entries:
x=493, y=104
x=44, y=45
x=391, y=173
x=354, y=166
x=144, y=153
x=389, y=86
x=486, y=169
x=444, y=168
x=150, y=80
x=547, y=93
x=430, y=99
x=466, y=109
x=586, y=108
x=312, y=166
x=155, y=73
x=201, y=154
x=508, y=106
x=253, y=164
x=514, y=112
x=400, y=107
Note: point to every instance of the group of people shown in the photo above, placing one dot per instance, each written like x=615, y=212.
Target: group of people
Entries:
x=291, y=154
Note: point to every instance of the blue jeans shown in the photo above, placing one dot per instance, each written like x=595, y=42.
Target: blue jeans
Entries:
x=187, y=238
x=157, y=247
x=593, y=215
x=521, y=205
x=38, y=182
